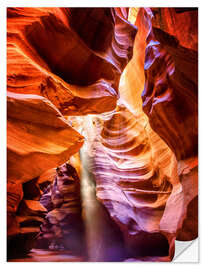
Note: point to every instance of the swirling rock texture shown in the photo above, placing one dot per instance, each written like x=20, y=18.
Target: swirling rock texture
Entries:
x=174, y=87
x=170, y=99
x=132, y=184
x=63, y=227
x=149, y=192
x=80, y=71
x=38, y=138
x=65, y=64
x=78, y=74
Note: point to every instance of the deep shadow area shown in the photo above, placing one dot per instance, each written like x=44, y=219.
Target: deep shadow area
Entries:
x=149, y=244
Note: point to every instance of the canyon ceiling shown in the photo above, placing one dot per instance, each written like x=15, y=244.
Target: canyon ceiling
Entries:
x=102, y=131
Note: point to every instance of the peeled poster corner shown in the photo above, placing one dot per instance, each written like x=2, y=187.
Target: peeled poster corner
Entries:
x=187, y=252
x=102, y=134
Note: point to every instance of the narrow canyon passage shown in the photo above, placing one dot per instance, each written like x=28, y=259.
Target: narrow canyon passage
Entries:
x=103, y=238
x=102, y=133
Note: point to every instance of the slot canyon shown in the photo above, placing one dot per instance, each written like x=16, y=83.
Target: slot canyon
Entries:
x=102, y=133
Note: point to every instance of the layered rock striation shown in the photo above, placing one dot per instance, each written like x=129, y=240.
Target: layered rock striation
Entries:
x=81, y=69
x=68, y=74
x=38, y=138
x=170, y=99
x=55, y=68
x=63, y=226
x=145, y=177
x=133, y=182
x=170, y=96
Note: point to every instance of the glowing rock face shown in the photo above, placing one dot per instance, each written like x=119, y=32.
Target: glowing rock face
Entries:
x=66, y=63
x=51, y=53
x=57, y=53
x=170, y=99
x=148, y=193
x=132, y=184
x=171, y=72
x=39, y=137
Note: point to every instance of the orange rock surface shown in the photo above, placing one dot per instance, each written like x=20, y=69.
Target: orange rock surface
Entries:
x=170, y=96
x=125, y=83
x=38, y=137
x=80, y=71
x=149, y=192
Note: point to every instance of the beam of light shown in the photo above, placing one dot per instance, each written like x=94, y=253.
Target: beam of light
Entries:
x=91, y=212
x=103, y=238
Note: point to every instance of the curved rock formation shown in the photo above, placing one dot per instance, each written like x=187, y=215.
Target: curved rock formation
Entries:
x=81, y=69
x=170, y=99
x=132, y=185
x=146, y=191
x=171, y=72
x=38, y=138
x=78, y=74
x=63, y=225
x=137, y=175
x=24, y=216
x=65, y=64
